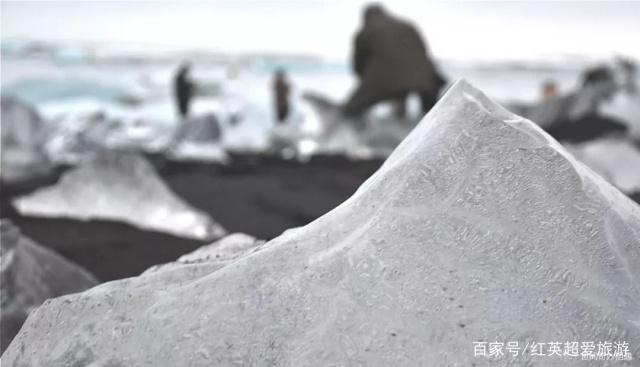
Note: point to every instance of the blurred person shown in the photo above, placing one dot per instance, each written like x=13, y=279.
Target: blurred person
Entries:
x=549, y=90
x=184, y=89
x=391, y=60
x=281, y=90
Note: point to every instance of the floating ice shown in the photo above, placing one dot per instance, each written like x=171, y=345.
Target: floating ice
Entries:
x=93, y=127
x=121, y=187
x=30, y=275
x=479, y=227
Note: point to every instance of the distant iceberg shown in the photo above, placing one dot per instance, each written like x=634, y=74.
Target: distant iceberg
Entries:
x=121, y=187
x=478, y=228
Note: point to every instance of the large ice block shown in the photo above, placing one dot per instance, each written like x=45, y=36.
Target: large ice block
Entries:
x=478, y=228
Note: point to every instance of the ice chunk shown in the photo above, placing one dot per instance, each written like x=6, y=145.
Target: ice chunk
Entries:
x=30, y=275
x=479, y=227
x=122, y=187
x=23, y=134
x=201, y=129
x=198, y=138
x=91, y=127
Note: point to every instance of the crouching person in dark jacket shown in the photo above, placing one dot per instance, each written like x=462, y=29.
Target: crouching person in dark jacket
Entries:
x=391, y=61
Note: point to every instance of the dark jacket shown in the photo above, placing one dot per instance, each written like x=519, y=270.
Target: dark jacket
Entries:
x=183, y=91
x=281, y=88
x=391, y=59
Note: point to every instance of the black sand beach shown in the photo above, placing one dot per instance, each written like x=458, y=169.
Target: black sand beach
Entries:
x=258, y=195
x=255, y=194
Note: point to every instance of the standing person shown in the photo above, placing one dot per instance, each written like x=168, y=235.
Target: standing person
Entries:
x=184, y=89
x=391, y=60
x=281, y=89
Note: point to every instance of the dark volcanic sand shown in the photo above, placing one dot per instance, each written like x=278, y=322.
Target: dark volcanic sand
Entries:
x=258, y=195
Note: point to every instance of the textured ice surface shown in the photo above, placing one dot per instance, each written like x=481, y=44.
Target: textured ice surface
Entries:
x=479, y=227
x=31, y=274
x=23, y=133
x=221, y=252
x=615, y=159
x=122, y=187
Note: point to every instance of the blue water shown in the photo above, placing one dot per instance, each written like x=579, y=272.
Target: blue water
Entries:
x=55, y=80
x=38, y=91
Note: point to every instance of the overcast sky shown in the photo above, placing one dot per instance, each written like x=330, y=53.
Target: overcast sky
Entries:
x=461, y=30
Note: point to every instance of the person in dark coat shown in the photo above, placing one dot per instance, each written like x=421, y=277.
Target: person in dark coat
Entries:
x=391, y=60
x=184, y=89
x=281, y=89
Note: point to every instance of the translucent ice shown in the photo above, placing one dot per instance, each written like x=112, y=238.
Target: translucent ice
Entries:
x=479, y=227
x=122, y=187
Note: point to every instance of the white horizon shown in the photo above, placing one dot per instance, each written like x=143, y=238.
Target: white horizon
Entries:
x=491, y=30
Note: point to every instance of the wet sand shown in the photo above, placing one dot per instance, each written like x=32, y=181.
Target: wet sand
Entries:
x=258, y=195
